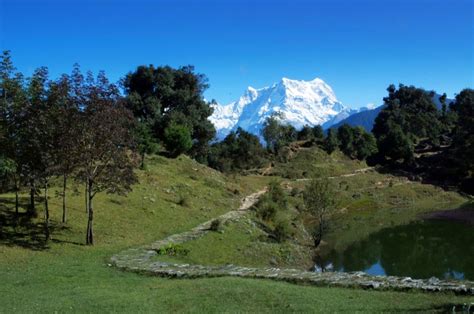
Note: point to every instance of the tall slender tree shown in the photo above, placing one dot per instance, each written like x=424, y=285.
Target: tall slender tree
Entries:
x=106, y=159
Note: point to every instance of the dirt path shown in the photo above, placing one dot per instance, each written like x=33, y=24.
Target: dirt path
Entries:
x=354, y=173
x=144, y=260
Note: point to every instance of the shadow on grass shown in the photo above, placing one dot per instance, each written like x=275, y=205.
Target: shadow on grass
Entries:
x=22, y=229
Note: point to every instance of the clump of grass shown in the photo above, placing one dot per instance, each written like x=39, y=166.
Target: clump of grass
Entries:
x=173, y=250
x=215, y=225
x=183, y=200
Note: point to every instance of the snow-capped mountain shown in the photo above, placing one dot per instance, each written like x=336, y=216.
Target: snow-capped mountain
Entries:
x=299, y=102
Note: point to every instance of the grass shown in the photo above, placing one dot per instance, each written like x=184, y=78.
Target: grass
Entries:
x=65, y=276
x=366, y=203
x=242, y=243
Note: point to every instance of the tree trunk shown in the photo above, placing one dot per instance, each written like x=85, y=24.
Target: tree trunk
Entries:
x=86, y=196
x=46, y=213
x=90, y=231
x=142, y=164
x=64, y=198
x=317, y=238
x=32, y=208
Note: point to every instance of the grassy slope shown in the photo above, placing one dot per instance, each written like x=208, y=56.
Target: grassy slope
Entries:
x=366, y=203
x=70, y=277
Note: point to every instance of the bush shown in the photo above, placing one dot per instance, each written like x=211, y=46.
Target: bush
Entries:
x=277, y=194
x=177, y=139
x=282, y=230
x=295, y=191
x=266, y=209
x=173, y=250
x=215, y=225
x=183, y=200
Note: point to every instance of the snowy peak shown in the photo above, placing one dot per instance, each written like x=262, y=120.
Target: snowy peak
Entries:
x=300, y=102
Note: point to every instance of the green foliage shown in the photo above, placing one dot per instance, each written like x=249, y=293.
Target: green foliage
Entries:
x=277, y=134
x=345, y=136
x=365, y=144
x=464, y=132
x=277, y=194
x=282, y=229
x=409, y=115
x=306, y=133
x=355, y=142
x=318, y=132
x=238, y=151
x=164, y=96
x=173, y=250
x=215, y=225
x=318, y=198
x=395, y=144
x=267, y=209
x=177, y=139
x=146, y=142
x=272, y=203
x=331, y=141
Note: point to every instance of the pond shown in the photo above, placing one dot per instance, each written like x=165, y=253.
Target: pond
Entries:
x=428, y=248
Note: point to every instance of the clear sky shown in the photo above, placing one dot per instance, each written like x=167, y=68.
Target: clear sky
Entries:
x=358, y=47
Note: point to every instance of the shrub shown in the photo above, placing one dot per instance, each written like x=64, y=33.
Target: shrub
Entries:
x=266, y=209
x=183, y=200
x=215, y=225
x=177, y=139
x=282, y=230
x=173, y=250
x=295, y=191
x=277, y=194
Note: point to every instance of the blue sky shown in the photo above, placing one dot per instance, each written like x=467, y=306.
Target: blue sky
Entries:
x=358, y=47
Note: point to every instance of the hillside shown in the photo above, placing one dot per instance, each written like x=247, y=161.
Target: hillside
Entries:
x=173, y=195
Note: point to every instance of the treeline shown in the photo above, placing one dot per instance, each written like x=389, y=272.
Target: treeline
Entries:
x=410, y=119
x=81, y=128
x=75, y=127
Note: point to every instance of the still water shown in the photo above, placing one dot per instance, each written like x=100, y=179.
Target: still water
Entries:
x=423, y=249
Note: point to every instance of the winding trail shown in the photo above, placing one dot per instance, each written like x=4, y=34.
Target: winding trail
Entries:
x=354, y=173
x=143, y=260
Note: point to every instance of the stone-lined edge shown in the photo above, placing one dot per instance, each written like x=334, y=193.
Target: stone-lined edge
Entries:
x=143, y=260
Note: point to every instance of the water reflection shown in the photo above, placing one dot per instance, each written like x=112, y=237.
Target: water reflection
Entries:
x=423, y=249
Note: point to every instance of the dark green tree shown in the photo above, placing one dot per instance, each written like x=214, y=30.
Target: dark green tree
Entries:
x=277, y=134
x=345, y=138
x=318, y=132
x=365, y=144
x=409, y=115
x=164, y=96
x=306, y=133
x=177, y=139
x=240, y=150
x=331, y=142
x=463, y=141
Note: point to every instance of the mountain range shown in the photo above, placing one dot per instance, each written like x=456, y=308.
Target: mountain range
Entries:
x=298, y=102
